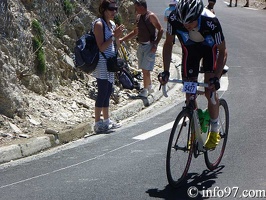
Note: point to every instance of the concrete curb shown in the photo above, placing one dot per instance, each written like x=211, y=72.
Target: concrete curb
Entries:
x=54, y=138
x=38, y=144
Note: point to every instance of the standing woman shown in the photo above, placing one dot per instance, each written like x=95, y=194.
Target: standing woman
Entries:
x=105, y=79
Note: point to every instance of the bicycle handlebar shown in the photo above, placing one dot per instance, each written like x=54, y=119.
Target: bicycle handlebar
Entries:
x=212, y=96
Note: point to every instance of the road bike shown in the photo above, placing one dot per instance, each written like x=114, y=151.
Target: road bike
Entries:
x=187, y=137
x=123, y=52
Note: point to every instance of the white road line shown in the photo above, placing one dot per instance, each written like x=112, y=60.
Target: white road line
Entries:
x=224, y=83
x=67, y=167
x=154, y=132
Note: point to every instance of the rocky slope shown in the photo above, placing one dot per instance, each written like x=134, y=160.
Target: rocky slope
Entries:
x=39, y=88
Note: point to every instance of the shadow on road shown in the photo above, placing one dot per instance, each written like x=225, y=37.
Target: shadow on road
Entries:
x=201, y=181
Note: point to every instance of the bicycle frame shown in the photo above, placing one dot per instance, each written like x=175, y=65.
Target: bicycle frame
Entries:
x=200, y=137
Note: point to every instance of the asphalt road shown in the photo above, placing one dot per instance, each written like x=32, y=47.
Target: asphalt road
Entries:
x=121, y=166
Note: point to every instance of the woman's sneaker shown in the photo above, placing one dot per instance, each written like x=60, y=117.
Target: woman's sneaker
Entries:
x=100, y=127
x=143, y=93
x=112, y=125
x=150, y=89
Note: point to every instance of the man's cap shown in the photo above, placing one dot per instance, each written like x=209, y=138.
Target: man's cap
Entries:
x=173, y=2
x=141, y=2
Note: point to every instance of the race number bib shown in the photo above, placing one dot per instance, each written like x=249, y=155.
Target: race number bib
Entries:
x=190, y=87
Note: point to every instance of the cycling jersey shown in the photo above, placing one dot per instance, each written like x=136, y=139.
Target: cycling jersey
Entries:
x=201, y=42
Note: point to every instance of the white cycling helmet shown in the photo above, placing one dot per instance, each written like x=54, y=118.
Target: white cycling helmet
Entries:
x=188, y=10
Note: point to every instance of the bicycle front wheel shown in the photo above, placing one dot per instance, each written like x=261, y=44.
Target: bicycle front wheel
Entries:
x=214, y=157
x=180, y=149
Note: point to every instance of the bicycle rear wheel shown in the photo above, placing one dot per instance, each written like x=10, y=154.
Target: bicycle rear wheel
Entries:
x=214, y=157
x=180, y=149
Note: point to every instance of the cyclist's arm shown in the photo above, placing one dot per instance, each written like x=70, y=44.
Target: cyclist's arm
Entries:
x=218, y=36
x=220, y=62
x=167, y=51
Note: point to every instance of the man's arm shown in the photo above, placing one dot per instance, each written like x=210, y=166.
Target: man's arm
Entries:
x=130, y=35
x=156, y=23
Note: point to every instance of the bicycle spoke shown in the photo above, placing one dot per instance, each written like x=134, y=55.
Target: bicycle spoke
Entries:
x=179, y=153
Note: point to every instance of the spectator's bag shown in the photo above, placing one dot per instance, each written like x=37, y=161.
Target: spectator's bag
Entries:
x=125, y=79
x=114, y=64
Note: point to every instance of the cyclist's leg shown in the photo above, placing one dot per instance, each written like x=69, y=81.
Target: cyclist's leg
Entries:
x=209, y=60
x=213, y=109
x=213, y=158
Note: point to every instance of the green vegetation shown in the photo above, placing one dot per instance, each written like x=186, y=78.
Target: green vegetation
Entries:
x=118, y=19
x=37, y=43
x=68, y=7
x=58, y=30
x=37, y=30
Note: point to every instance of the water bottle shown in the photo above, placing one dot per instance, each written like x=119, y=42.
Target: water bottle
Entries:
x=204, y=118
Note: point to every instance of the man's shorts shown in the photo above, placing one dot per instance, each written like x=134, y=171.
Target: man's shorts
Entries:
x=192, y=55
x=146, y=58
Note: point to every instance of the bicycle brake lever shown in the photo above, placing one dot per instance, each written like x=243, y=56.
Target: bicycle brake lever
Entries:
x=213, y=98
x=164, y=90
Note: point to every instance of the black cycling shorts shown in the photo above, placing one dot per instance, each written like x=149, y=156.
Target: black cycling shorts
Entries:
x=192, y=55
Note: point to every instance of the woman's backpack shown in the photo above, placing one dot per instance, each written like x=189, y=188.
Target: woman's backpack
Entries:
x=87, y=52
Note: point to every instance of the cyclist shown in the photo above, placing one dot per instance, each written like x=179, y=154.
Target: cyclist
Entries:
x=169, y=9
x=201, y=37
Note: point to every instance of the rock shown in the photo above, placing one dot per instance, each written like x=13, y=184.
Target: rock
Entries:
x=24, y=135
x=15, y=128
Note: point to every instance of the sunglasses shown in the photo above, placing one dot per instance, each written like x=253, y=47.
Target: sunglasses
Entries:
x=112, y=9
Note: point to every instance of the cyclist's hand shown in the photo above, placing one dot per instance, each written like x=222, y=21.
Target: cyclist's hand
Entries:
x=214, y=83
x=163, y=77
